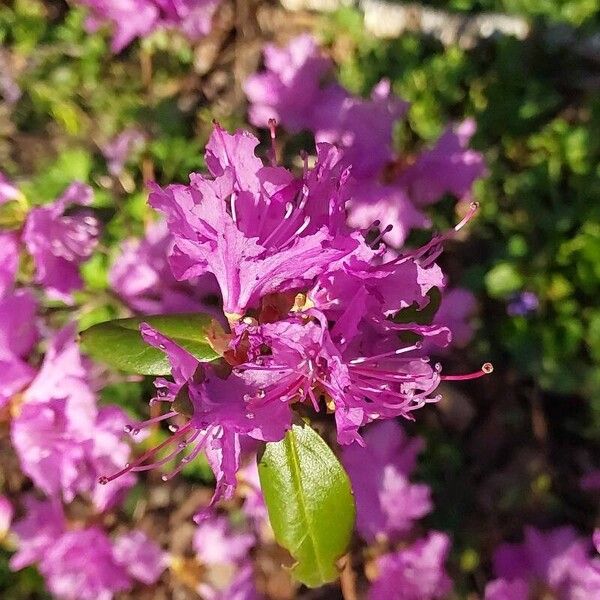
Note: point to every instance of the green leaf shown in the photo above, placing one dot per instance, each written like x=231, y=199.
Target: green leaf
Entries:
x=310, y=503
x=120, y=344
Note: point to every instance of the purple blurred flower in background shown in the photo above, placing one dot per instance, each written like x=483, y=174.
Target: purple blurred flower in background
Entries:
x=118, y=150
x=142, y=277
x=557, y=560
x=387, y=503
x=59, y=243
x=414, y=573
x=43, y=524
x=216, y=543
x=18, y=336
x=523, y=304
x=138, y=18
x=139, y=556
x=63, y=441
x=82, y=564
x=390, y=189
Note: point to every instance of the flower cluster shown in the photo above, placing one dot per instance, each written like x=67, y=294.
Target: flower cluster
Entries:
x=83, y=564
x=297, y=91
x=556, y=562
x=57, y=242
x=63, y=440
x=139, y=18
x=314, y=311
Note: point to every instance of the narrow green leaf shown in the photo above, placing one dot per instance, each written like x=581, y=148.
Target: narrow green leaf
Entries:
x=120, y=344
x=310, y=503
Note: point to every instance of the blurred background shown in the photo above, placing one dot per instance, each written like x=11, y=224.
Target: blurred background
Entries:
x=519, y=447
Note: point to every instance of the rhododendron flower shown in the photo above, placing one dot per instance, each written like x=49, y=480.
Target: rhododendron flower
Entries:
x=139, y=18
x=59, y=243
x=523, y=304
x=43, y=524
x=18, y=335
x=139, y=556
x=312, y=310
x=117, y=151
x=388, y=188
x=414, y=573
x=82, y=564
x=215, y=542
x=142, y=277
x=63, y=441
x=558, y=560
x=387, y=503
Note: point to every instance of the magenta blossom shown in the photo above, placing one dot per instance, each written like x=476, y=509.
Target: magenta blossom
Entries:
x=139, y=556
x=63, y=441
x=142, y=277
x=315, y=313
x=139, y=18
x=59, y=243
x=43, y=524
x=215, y=543
x=414, y=573
x=387, y=503
x=557, y=560
x=18, y=335
x=117, y=151
x=390, y=189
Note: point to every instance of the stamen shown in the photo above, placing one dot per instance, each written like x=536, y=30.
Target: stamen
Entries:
x=486, y=369
x=364, y=359
x=380, y=236
x=473, y=208
x=232, y=199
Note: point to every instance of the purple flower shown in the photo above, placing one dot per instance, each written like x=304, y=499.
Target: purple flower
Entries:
x=455, y=312
x=415, y=573
x=142, y=277
x=80, y=565
x=523, y=304
x=312, y=311
x=117, y=151
x=557, y=559
x=139, y=556
x=263, y=244
x=215, y=543
x=501, y=589
x=274, y=93
x=139, y=18
x=43, y=524
x=389, y=189
x=59, y=243
x=6, y=515
x=18, y=335
x=387, y=503
x=63, y=442
x=9, y=261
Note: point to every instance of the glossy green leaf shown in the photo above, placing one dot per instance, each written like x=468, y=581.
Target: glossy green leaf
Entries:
x=310, y=503
x=120, y=344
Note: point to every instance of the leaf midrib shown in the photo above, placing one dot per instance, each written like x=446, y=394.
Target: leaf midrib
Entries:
x=292, y=454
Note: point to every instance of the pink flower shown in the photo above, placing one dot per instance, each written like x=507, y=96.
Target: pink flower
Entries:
x=391, y=189
x=43, y=524
x=117, y=151
x=557, y=559
x=215, y=543
x=139, y=556
x=387, y=503
x=139, y=18
x=18, y=335
x=59, y=243
x=142, y=277
x=80, y=565
x=415, y=573
x=63, y=441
